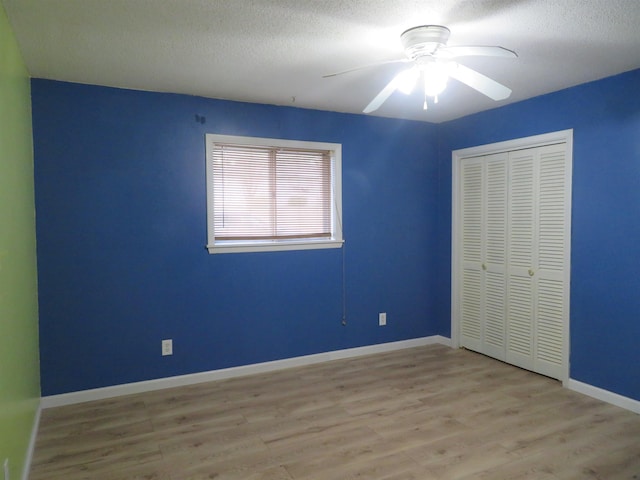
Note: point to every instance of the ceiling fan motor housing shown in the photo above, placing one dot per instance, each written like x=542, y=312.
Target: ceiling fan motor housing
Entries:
x=424, y=40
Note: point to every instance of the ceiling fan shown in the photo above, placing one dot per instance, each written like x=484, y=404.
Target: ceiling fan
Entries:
x=426, y=47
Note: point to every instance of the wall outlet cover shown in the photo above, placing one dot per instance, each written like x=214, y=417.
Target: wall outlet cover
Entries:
x=167, y=347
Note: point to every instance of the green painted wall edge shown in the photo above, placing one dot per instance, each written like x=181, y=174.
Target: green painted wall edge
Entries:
x=19, y=362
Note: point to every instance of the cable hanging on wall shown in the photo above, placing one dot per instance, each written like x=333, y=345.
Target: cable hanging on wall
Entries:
x=344, y=287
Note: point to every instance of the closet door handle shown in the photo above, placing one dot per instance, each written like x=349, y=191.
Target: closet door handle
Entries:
x=531, y=272
x=484, y=266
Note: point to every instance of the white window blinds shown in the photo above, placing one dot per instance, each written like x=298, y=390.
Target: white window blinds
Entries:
x=271, y=193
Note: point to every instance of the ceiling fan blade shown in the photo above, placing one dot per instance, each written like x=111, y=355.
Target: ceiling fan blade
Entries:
x=362, y=67
x=480, y=82
x=475, y=50
x=382, y=96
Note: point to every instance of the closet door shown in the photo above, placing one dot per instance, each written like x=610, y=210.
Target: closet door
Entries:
x=521, y=258
x=511, y=284
x=484, y=207
x=551, y=276
x=494, y=255
x=472, y=280
x=537, y=277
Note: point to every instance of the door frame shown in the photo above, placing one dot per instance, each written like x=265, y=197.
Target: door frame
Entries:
x=551, y=138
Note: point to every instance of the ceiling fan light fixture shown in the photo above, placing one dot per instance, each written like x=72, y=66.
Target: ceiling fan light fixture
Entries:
x=407, y=79
x=436, y=76
x=426, y=47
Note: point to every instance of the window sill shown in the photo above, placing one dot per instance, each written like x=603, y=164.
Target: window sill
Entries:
x=240, y=247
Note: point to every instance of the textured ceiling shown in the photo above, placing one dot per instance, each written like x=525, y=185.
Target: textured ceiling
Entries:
x=276, y=51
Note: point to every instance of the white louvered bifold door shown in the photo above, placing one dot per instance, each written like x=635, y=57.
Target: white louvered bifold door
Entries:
x=550, y=275
x=494, y=255
x=521, y=258
x=513, y=279
x=472, y=285
x=483, y=268
x=538, y=219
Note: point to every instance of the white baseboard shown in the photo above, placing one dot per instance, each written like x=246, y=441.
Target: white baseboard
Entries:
x=604, y=395
x=26, y=467
x=439, y=339
x=191, y=379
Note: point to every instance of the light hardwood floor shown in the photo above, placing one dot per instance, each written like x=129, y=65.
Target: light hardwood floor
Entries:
x=416, y=414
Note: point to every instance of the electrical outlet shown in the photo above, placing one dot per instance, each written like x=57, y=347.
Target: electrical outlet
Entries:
x=382, y=319
x=6, y=469
x=167, y=347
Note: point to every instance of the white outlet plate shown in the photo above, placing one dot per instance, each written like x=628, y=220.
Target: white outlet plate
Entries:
x=382, y=319
x=6, y=469
x=167, y=347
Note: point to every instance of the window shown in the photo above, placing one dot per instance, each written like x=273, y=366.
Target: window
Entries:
x=266, y=194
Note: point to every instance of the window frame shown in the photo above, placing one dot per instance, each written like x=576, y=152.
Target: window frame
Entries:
x=240, y=246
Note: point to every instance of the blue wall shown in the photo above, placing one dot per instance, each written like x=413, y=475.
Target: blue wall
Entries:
x=121, y=229
x=605, y=248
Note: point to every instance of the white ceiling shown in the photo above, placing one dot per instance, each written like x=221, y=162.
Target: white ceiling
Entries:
x=276, y=51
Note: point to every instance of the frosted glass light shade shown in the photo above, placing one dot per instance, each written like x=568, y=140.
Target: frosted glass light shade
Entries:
x=435, y=79
x=407, y=79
